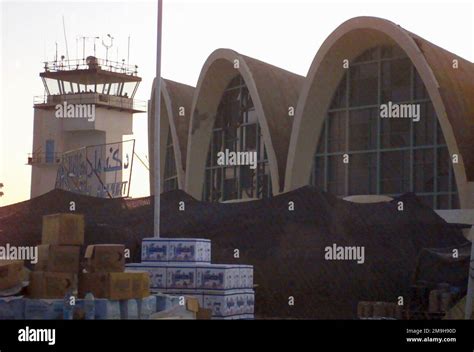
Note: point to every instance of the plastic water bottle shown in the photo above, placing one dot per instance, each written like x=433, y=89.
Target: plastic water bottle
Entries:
x=89, y=306
x=68, y=308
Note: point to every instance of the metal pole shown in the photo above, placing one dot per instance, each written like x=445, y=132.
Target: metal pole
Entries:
x=156, y=157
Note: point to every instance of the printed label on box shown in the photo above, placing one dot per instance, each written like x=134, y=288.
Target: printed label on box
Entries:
x=181, y=277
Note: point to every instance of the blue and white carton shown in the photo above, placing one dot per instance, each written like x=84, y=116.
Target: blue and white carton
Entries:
x=146, y=307
x=229, y=303
x=181, y=277
x=177, y=250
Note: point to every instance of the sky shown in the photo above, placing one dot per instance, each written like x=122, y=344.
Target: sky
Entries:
x=283, y=33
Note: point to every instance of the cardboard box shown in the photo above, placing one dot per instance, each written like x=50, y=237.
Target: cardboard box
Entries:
x=176, y=250
x=182, y=295
x=155, y=250
x=11, y=273
x=115, y=286
x=192, y=304
x=44, y=309
x=204, y=314
x=229, y=303
x=105, y=258
x=63, y=229
x=218, y=277
x=156, y=272
x=12, y=308
x=51, y=285
x=180, y=277
x=140, y=284
x=60, y=259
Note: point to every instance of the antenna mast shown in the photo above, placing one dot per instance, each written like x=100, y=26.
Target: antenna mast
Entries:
x=65, y=39
x=107, y=47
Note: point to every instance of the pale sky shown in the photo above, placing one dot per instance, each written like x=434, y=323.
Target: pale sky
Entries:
x=283, y=33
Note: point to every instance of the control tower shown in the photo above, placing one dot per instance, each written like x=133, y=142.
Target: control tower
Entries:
x=87, y=102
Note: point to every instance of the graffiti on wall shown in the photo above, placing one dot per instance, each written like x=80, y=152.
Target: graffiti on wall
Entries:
x=103, y=170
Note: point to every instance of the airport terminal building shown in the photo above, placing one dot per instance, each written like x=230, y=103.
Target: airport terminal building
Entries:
x=343, y=128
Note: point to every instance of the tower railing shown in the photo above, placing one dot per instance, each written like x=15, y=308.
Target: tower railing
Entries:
x=95, y=63
x=114, y=101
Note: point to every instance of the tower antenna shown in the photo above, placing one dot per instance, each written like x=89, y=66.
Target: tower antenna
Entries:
x=65, y=39
x=107, y=47
x=128, y=51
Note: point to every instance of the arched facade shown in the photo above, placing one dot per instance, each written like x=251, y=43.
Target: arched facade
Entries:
x=448, y=88
x=176, y=101
x=273, y=93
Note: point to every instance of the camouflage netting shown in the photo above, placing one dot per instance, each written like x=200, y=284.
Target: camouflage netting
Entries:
x=286, y=248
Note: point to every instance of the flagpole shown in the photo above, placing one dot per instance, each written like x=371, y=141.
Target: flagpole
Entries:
x=157, y=149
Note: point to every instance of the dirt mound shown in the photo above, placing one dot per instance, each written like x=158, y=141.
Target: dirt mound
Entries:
x=286, y=247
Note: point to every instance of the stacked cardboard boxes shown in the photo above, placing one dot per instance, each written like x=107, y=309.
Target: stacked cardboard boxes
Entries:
x=56, y=272
x=117, y=294
x=183, y=267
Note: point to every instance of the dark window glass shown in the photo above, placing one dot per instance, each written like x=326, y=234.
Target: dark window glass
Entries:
x=396, y=80
x=337, y=131
x=395, y=133
x=424, y=129
x=236, y=128
x=423, y=169
x=336, y=178
x=363, y=173
x=395, y=172
x=363, y=129
x=444, y=164
x=340, y=97
x=412, y=154
x=363, y=85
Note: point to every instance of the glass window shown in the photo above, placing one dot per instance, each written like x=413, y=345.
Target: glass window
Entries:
x=396, y=77
x=337, y=131
x=413, y=155
x=363, y=85
x=236, y=128
x=444, y=164
x=424, y=129
x=340, y=97
x=363, y=173
x=395, y=132
x=336, y=178
x=423, y=170
x=363, y=129
x=395, y=172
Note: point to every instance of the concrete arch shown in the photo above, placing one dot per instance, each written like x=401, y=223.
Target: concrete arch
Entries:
x=448, y=89
x=273, y=91
x=175, y=98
